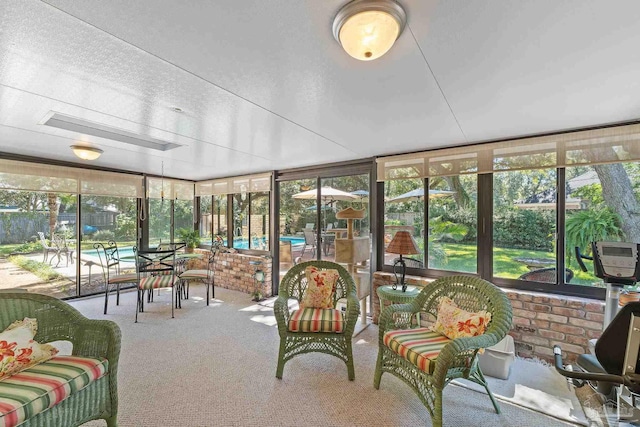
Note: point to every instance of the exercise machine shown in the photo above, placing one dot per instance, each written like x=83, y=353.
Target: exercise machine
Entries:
x=614, y=367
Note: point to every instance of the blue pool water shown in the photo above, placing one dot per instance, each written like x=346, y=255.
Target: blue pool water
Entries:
x=127, y=251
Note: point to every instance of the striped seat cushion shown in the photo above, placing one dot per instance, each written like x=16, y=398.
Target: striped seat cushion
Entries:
x=419, y=346
x=42, y=386
x=160, y=281
x=316, y=320
x=195, y=274
x=123, y=278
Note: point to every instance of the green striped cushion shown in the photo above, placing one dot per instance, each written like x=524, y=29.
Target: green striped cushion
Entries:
x=419, y=346
x=195, y=274
x=40, y=387
x=160, y=281
x=123, y=278
x=316, y=320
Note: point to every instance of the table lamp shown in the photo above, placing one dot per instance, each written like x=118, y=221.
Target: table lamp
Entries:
x=402, y=244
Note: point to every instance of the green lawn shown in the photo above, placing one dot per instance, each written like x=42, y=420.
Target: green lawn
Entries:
x=462, y=257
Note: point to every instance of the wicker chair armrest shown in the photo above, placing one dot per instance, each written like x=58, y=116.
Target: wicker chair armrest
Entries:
x=353, y=311
x=281, y=311
x=97, y=338
x=396, y=316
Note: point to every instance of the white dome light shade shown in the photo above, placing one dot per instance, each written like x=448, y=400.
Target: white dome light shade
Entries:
x=86, y=153
x=366, y=29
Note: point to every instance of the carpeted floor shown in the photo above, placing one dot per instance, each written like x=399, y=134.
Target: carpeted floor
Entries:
x=215, y=366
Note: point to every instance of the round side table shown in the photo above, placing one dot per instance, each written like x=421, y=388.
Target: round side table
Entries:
x=387, y=293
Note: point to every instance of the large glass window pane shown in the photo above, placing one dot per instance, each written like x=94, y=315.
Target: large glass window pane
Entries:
x=297, y=223
x=524, y=224
x=259, y=221
x=159, y=221
x=219, y=214
x=105, y=219
x=404, y=210
x=602, y=204
x=453, y=218
x=182, y=217
x=241, y=220
x=206, y=219
x=28, y=221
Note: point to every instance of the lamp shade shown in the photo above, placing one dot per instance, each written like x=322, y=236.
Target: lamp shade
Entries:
x=403, y=244
x=85, y=152
x=366, y=29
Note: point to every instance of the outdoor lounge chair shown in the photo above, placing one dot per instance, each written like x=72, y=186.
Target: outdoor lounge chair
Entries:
x=546, y=275
x=46, y=249
x=309, y=240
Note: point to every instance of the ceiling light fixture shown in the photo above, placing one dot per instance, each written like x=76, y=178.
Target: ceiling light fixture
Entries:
x=86, y=153
x=366, y=29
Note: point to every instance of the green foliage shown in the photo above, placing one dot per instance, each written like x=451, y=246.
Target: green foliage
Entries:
x=40, y=269
x=126, y=226
x=591, y=193
x=393, y=222
x=523, y=228
x=189, y=236
x=584, y=227
x=103, y=235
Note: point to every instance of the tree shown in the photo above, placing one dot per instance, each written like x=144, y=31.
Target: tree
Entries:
x=617, y=190
x=53, y=203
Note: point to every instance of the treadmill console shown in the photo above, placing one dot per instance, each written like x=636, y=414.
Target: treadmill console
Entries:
x=616, y=262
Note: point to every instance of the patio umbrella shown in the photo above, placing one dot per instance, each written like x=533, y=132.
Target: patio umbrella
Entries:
x=418, y=194
x=362, y=194
x=328, y=195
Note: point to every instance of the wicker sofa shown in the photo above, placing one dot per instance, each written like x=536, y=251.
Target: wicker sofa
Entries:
x=64, y=399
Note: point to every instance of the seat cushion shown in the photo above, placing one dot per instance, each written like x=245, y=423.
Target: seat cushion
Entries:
x=316, y=320
x=159, y=281
x=40, y=387
x=195, y=274
x=123, y=278
x=419, y=346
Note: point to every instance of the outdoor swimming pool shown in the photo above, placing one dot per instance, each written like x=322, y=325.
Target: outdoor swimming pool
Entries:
x=127, y=251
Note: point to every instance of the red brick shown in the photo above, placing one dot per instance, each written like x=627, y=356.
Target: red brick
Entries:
x=578, y=340
x=551, y=334
x=551, y=317
x=597, y=307
x=523, y=313
x=537, y=307
x=596, y=317
x=569, y=312
x=540, y=323
x=516, y=304
x=521, y=321
x=541, y=299
x=569, y=348
x=558, y=302
x=525, y=297
x=567, y=329
x=532, y=339
x=593, y=334
x=575, y=304
x=543, y=350
x=585, y=323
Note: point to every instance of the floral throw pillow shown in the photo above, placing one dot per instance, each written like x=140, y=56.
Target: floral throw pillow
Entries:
x=18, y=350
x=454, y=322
x=321, y=285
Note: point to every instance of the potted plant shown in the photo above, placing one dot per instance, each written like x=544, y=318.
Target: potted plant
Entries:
x=190, y=237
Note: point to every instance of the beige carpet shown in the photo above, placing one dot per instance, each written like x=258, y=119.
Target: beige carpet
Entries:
x=215, y=366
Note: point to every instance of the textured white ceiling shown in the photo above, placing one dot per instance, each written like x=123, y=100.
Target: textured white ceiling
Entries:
x=264, y=85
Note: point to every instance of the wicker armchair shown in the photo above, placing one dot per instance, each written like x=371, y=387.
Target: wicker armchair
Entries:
x=292, y=344
x=546, y=275
x=57, y=320
x=458, y=358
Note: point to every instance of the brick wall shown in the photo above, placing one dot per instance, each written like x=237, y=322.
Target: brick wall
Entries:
x=233, y=271
x=539, y=320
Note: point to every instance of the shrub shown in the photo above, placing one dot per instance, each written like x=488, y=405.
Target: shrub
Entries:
x=584, y=227
x=104, y=235
x=524, y=229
